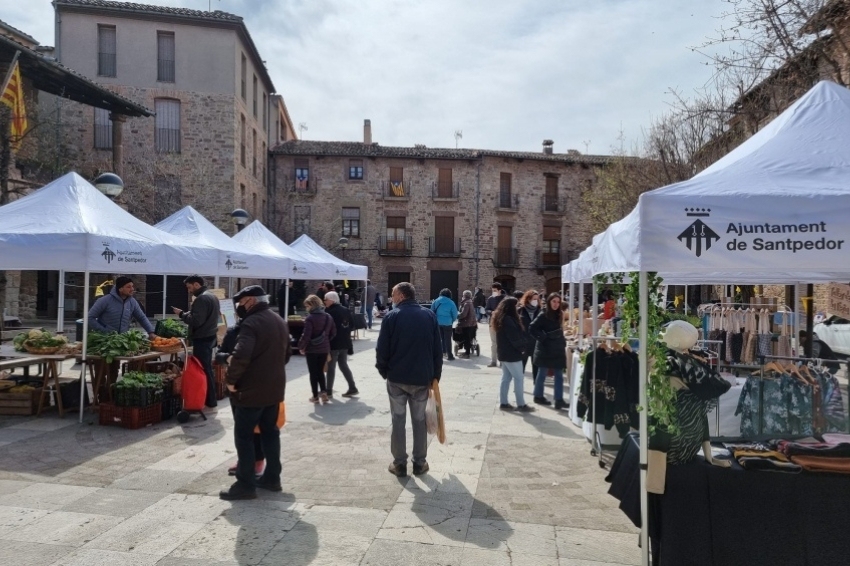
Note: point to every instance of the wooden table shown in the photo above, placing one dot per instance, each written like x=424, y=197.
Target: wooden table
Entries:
x=100, y=369
x=51, y=364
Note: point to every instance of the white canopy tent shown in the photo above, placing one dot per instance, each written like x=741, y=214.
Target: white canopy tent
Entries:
x=774, y=210
x=71, y=226
x=261, y=240
x=306, y=246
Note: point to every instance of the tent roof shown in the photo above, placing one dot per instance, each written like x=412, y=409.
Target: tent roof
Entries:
x=306, y=246
x=261, y=240
x=68, y=224
x=773, y=210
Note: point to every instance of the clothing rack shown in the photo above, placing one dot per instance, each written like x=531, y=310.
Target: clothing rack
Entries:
x=596, y=450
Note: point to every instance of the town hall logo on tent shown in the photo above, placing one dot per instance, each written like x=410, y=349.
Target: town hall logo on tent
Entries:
x=107, y=254
x=698, y=237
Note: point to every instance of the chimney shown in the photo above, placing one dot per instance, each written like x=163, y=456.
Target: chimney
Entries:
x=547, y=146
x=367, y=132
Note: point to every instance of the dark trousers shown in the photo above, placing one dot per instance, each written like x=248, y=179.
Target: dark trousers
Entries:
x=202, y=349
x=446, y=335
x=244, y=421
x=533, y=367
x=341, y=357
x=258, y=443
x=316, y=367
x=469, y=333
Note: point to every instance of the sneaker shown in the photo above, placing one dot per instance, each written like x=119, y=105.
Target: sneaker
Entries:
x=419, y=469
x=323, y=396
x=314, y=400
x=351, y=393
x=399, y=470
x=269, y=485
x=506, y=407
x=491, y=365
x=542, y=401
x=561, y=404
x=237, y=492
x=450, y=358
x=525, y=409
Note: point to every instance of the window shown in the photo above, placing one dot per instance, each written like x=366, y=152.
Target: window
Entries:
x=396, y=232
x=551, y=245
x=244, y=78
x=242, y=140
x=301, y=220
x=254, y=205
x=444, y=183
x=167, y=125
x=444, y=234
x=254, y=150
x=168, y=195
x=106, y=50
x=550, y=200
x=254, y=95
x=351, y=222
x=397, y=188
x=504, y=190
x=242, y=201
x=504, y=246
x=265, y=113
x=165, y=57
x=263, y=157
x=355, y=169
x=102, y=129
x=302, y=174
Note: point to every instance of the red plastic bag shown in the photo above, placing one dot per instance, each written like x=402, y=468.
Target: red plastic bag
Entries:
x=194, y=388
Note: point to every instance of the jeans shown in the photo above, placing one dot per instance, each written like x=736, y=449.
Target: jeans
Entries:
x=446, y=335
x=342, y=357
x=367, y=310
x=479, y=312
x=541, y=378
x=533, y=367
x=401, y=395
x=493, y=352
x=202, y=349
x=244, y=421
x=511, y=371
x=316, y=367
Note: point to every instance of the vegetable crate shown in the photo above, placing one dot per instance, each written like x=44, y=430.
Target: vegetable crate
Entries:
x=220, y=384
x=23, y=403
x=130, y=417
x=136, y=397
x=171, y=405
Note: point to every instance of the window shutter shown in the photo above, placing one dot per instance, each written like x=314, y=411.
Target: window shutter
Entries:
x=167, y=125
x=102, y=129
x=165, y=56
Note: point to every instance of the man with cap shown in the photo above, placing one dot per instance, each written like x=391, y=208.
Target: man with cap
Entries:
x=114, y=311
x=203, y=318
x=256, y=379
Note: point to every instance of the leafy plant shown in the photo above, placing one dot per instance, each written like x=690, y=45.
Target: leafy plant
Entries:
x=171, y=328
x=38, y=338
x=111, y=345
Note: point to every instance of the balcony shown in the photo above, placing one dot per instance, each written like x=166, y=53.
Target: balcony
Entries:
x=506, y=257
x=306, y=187
x=441, y=246
x=445, y=191
x=395, y=191
x=553, y=205
x=550, y=260
x=395, y=246
x=507, y=203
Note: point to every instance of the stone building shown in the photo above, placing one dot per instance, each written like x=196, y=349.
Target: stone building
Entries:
x=216, y=115
x=439, y=218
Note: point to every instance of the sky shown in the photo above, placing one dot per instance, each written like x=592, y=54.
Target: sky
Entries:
x=508, y=74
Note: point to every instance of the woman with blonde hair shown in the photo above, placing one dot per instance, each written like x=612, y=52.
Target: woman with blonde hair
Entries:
x=315, y=345
x=550, y=350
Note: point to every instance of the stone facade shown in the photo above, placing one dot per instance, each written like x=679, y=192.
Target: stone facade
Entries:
x=497, y=240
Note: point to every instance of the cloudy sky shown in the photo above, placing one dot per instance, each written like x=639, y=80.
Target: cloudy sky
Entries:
x=507, y=73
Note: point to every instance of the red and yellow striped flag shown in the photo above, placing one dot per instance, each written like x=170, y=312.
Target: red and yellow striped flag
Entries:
x=13, y=97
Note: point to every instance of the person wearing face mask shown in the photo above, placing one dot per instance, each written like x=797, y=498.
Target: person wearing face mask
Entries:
x=496, y=297
x=529, y=308
x=256, y=379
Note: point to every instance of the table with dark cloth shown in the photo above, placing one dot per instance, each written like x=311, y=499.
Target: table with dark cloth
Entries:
x=728, y=516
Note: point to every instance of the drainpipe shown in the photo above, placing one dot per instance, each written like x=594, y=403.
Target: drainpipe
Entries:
x=477, y=220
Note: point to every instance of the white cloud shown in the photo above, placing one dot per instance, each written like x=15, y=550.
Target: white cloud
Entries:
x=509, y=73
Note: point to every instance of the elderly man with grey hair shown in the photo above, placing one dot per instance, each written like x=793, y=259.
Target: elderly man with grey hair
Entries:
x=467, y=321
x=341, y=346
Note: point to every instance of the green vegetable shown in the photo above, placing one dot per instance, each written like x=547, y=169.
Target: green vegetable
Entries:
x=171, y=328
x=38, y=338
x=111, y=345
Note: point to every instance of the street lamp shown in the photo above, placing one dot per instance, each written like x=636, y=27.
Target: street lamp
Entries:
x=109, y=184
x=240, y=218
x=343, y=243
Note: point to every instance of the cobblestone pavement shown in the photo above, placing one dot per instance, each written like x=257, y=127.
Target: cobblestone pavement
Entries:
x=506, y=489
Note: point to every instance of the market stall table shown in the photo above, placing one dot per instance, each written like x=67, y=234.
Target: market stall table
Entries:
x=51, y=364
x=100, y=369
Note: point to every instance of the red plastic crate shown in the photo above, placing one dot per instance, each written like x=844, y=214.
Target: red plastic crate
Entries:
x=130, y=417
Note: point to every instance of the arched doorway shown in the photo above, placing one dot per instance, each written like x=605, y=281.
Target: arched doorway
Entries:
x=508, y=282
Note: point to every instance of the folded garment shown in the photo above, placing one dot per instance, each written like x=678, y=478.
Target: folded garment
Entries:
x=823, y=464
x=835, y=438
x=799, y=448
x=768, y=464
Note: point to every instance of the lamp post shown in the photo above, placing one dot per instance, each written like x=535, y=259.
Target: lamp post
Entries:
x=240, y=218
x=109, y=184
x=343, y=243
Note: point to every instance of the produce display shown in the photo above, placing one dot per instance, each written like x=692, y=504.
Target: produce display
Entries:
x=111, y=345
x=38, y=339
x=160, y=343
x=171, y=328
x=138, y=389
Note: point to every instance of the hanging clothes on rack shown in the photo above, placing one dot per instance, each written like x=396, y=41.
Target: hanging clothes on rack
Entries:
x=617, y=389
x=764, y=336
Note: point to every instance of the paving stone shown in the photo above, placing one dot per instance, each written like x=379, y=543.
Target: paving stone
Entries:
x=165, y=481
x=118, y=502
x=43, y=424
x=25, y=553
x=393, y=553
x=94, y=557
x=307, y=545
x=13, y=517
x=145, y=535
x=46, y=496
x=186, y=508
x=221, y=539
x=522, y=538
x=11, y=486
x=601, y=546
x=63, y=528
x=479, y=557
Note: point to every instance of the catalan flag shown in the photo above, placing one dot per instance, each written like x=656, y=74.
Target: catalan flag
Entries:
x=397, y=188
x=13, y=97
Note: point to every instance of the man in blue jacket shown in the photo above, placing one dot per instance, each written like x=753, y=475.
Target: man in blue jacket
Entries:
x=446, y=310
x=409, y=356
x=114, y=311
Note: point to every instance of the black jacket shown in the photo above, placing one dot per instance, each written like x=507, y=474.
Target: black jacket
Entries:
x=550, y=351
x=409, y=348
x=493, y=302
x=527, y=319
x=344, y=325
x=510, y=341
x=203, y=315
x=479, y=300
x=257, y=366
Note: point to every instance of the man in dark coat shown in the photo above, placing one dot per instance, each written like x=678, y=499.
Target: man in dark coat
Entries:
x=409, y=356
x=256, y=379
x=368, y=301
x=203, y=318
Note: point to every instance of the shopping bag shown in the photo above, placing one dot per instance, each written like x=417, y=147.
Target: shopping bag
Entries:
x=431, y=419
x=441, y=422
x=281, y=418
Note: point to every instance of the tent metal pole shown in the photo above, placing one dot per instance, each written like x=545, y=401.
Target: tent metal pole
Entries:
x=571, y=308
x=595, y=440
x=643, y=305
x=60, y=309
x=164, y=287
x=85, y=342
x=216, y=282
x=686, y=300
x=286, y=302
x=580, y=314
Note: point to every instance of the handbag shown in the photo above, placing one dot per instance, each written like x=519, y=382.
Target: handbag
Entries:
x=318, y=340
